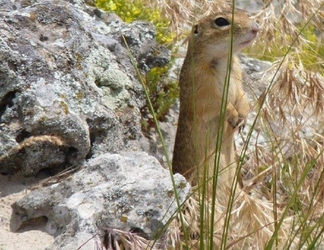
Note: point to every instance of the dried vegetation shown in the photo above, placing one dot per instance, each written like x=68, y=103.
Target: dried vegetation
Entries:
x=280, y=205
x=280, y=202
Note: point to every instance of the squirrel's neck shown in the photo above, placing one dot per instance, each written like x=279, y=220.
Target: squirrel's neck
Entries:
x=202, y=82
x=211, y=68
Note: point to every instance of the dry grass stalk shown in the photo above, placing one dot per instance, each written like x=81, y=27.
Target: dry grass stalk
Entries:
x=300, y=92
x=115, y=239
x=251, y=225
x=289, y=121
x=185, y=12
x=295, y=99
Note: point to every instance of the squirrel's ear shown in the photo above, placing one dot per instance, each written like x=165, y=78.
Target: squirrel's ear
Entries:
x=195, y=30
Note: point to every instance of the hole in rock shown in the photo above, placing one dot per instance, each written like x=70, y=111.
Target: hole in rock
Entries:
x=139, y=232
x=7, y=101
x=47, y=172
x=92, y=140
x=22, y=136
x=72, y=152
x=38, y=223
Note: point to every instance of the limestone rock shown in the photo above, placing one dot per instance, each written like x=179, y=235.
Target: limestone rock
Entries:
x=66, y=76
x=70, y=97
x=125, y=191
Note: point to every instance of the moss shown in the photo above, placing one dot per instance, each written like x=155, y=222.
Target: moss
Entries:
x=79, y=95
x=123, y=219
x=65, y=107
x=130, y=11
x=170, y=193
x=162, y=92
x=182, y=185
x=43, y=120
x=33, y=16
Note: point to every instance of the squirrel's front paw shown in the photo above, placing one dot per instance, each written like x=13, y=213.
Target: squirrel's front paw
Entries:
x=236, y=122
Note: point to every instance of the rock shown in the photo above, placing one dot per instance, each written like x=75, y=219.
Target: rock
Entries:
x=168, y=129
x=69, y=89
x=125, y=191
x=70, y=97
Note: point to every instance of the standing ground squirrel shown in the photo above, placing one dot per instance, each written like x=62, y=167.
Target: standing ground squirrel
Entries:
x=202, y=80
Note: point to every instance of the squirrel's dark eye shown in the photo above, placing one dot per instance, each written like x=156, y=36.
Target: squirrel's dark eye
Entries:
x=220, y=21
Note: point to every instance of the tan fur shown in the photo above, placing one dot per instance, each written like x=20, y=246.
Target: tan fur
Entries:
x=201, y=82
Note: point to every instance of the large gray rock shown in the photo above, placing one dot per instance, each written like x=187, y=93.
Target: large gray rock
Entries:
x=129, y=191
x=67, y=74
x=69, y=94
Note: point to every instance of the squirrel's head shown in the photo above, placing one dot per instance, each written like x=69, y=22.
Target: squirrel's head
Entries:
x=214, y=34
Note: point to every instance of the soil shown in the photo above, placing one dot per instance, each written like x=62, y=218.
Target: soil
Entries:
x=33, y=237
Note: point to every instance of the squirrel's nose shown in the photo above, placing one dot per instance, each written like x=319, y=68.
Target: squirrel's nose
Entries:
x=254, y=28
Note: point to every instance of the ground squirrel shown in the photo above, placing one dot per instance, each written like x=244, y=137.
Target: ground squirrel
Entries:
x=201, y=82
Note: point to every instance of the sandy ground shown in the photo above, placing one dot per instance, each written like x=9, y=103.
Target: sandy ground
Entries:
x=13, y=188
